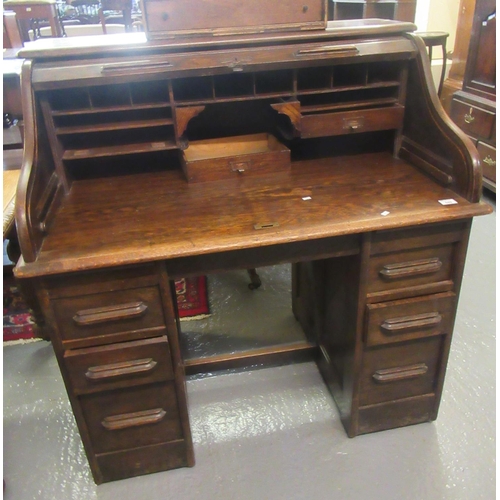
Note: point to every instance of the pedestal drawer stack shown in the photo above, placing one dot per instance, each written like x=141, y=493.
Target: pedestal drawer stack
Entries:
x=118, y=350
x=411, y=298
x=384, y=320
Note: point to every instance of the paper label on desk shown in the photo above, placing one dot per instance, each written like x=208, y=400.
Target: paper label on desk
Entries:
x=448, y=201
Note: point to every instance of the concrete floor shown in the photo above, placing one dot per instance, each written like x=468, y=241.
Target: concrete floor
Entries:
x=275, y=433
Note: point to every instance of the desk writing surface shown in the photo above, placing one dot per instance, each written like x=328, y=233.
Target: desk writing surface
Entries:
x=150, y=216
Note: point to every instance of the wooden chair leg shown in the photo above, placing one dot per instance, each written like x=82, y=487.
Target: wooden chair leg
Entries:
x=28, y=292
x=103, y=20
x=255, y=281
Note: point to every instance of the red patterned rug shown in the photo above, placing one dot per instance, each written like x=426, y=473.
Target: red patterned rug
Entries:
x=192, y=298
x=17, y=323
x=192, y=302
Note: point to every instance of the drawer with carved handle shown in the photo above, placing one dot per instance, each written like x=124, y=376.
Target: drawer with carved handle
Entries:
x=133, y=417
x=108, y=317
x=113, y=366
x=409, y=268
x=400, y=370
x=401, y=320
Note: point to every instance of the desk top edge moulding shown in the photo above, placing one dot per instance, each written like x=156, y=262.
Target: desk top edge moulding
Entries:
x=152, y=160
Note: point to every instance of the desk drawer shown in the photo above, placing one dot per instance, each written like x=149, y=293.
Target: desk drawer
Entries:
x=348, y=122
x=131, y=418
x=119, y=365
x=409, y=268
x=488, y=156
x=144, y=460
x=399, y=371
x=233, y=157
x=110, y=316
x=401, y=320
x=472, y=120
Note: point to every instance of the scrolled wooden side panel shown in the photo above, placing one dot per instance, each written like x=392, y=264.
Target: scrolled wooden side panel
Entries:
x=447, y=153
x=39, y=190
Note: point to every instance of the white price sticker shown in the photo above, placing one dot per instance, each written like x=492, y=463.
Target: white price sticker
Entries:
x=448, y=201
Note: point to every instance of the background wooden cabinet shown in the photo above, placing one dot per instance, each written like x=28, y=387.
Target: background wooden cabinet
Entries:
x=473, y=108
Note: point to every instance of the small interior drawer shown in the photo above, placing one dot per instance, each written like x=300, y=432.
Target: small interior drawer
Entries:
x=130, y=418
x=471, y=119
x=110, y=316
x=119, y=365
x=348, y=122
x=400, y=320
x=409, y=268
x=232, y=157
x=399, y=370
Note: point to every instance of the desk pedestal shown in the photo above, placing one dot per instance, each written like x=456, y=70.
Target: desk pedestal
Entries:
x=381, y=314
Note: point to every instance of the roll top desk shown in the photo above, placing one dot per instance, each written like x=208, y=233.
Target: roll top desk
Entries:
x=147, y=161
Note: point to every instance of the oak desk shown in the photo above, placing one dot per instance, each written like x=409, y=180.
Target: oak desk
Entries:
x=342, y=162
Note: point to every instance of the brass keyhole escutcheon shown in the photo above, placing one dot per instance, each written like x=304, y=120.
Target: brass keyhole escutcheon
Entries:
x=305, y=8
x=164, y=16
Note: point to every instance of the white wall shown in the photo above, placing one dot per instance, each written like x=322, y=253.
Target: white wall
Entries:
x=438, y=15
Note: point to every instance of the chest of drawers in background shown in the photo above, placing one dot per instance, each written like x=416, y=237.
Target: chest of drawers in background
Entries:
x=473, y=108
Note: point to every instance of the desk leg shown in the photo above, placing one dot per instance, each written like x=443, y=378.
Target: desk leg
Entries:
x=28, y=288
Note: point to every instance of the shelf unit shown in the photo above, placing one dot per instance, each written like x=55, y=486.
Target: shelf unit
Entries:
x=111, y=120
x=400, y=10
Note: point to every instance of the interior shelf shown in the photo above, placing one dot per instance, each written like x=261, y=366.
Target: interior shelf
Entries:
x=99, y=152
x=110, y=109
x=115, y=120
x=102, y=127
x=346, y=105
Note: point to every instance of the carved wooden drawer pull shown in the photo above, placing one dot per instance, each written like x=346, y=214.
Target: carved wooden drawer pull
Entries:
x=418, y=321
x=145, y=66
x=138, y=418
x=400, y=373
x=90, y=317
x=104, y=372
x=328, y=49
x=412, y=268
